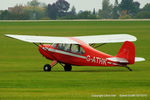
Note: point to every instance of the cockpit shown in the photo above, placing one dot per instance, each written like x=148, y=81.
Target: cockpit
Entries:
x=73, y=48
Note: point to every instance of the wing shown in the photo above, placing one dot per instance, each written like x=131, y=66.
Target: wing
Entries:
x=107, y=38
x=87, y=39
x=43, y=39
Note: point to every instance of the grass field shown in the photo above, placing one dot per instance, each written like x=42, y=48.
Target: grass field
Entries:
x=21, y=65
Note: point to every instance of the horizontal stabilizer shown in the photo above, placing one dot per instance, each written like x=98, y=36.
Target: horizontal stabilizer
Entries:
x=119, y=60
x=139, y=59
x=125, y=61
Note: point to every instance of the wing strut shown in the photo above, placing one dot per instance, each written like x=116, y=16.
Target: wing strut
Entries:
x=50, y=55
x=45, y=51
x=93, y=45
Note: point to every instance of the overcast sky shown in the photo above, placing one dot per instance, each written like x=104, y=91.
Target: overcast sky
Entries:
x=79, y=4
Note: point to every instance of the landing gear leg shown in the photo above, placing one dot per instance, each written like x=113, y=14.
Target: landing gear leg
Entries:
x=128, y=68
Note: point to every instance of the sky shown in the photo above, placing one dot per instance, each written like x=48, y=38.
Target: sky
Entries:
x=79, y=4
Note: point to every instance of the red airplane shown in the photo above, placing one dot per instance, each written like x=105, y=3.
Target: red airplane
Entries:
x=81, y=50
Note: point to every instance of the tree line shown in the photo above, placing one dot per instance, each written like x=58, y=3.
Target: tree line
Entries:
x=35, y=10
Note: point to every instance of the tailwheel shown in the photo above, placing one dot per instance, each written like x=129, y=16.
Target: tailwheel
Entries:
x=67, y=67
x=128, y=68
x=47, y=68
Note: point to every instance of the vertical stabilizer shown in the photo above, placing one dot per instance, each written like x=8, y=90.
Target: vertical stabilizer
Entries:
x=127, y=52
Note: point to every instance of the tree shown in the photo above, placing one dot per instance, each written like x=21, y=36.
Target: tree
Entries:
x=5, y=15
x=73, y=11
x=126, y=5
x=33, y=3
x=62, y=7
x=94, y=12
x=116, y=12
x=86, y=15
x=146, y=7
x=145, y=12
x=99, y=14
x=143, y=15
x=58, y=9
x=36, y=9
x=70, y=15
x=116, y=3
x=18, y=13
x=33, y=10
x=131, y=7
x=52, y=11
x=106, y=9
x=135, y=9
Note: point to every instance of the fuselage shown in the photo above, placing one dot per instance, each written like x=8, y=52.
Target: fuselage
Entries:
x=75, y=54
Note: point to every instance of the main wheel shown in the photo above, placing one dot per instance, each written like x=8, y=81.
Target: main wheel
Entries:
x=47, y=68
x=67, y=67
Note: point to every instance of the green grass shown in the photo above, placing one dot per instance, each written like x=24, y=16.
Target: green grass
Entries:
x=21, y=65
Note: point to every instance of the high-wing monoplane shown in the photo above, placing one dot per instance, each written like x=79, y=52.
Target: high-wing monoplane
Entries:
x=81, y=50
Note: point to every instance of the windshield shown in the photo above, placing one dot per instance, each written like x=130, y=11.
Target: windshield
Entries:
x=54, y=45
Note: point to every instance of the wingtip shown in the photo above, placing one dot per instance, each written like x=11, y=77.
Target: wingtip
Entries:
x=8, y=35
x=133, y=38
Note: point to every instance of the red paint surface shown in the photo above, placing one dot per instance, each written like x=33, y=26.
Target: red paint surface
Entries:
x=92, y=57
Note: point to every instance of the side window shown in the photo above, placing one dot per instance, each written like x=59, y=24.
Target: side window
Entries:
x=60, y=46
x=82, y=50
x=77, y=49
x=65, y=47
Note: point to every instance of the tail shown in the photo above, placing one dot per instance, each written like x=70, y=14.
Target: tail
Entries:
x=127, y=52
x=126, y=55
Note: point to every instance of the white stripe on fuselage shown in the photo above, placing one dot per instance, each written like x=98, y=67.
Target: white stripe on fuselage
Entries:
x=93, y=59
x=63, y=52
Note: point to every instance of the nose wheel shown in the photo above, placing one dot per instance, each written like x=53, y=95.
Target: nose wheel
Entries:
x=47, y=68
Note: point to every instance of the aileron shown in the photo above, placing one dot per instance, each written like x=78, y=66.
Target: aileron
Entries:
x=107, y=38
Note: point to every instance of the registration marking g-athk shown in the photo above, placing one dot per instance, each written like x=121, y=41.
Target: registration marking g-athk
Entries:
x=97, y=60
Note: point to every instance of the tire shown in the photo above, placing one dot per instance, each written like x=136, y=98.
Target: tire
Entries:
x=47, y=68
x=67, y=67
